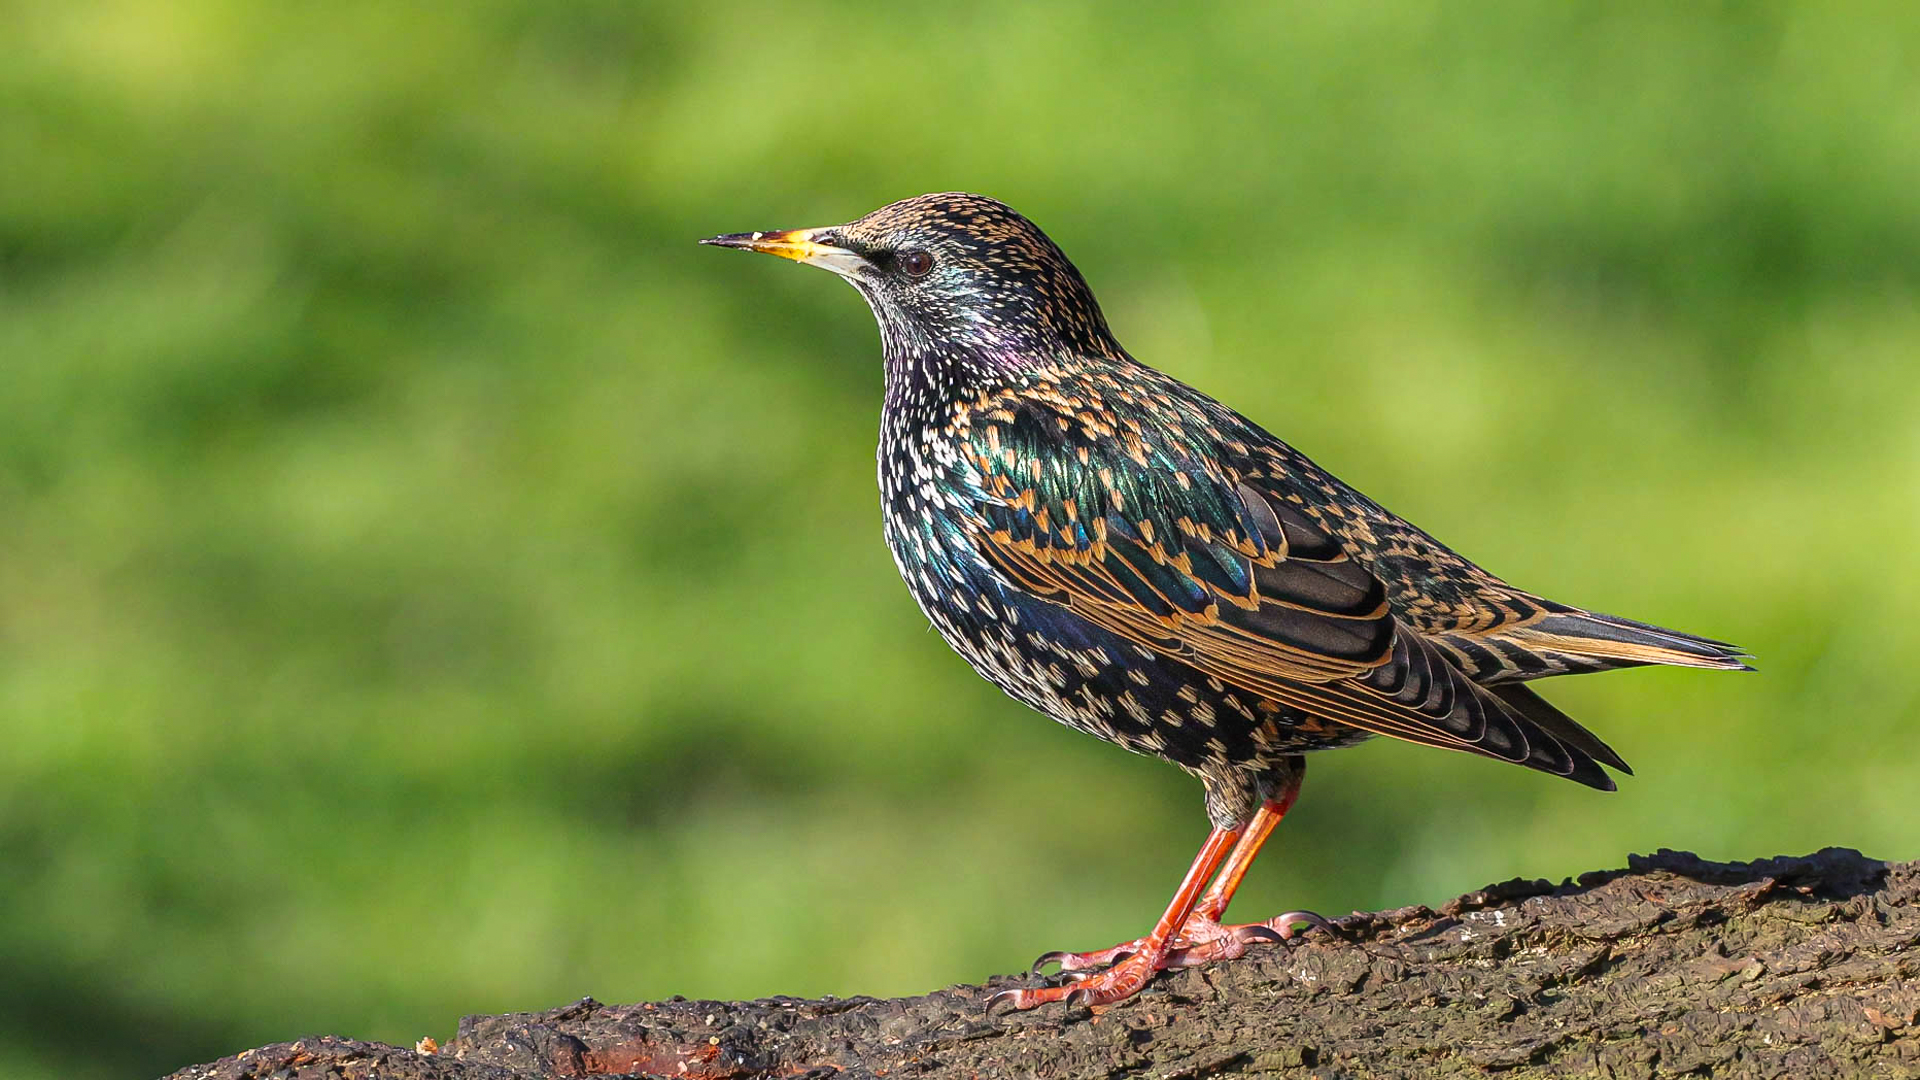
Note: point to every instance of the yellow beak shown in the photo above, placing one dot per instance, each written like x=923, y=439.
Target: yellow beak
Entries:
x=801, y=245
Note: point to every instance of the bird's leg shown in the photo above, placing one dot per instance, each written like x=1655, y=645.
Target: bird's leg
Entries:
x=1202, y=938
x=1126, y=976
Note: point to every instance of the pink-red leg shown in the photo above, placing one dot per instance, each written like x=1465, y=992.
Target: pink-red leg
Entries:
x=1204, y=938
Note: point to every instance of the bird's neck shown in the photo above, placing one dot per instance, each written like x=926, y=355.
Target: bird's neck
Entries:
x=923, y=383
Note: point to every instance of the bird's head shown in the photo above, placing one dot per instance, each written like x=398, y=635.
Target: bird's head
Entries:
x=949, y=274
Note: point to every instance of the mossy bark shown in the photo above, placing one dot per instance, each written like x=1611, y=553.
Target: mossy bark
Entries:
x=1788, y=967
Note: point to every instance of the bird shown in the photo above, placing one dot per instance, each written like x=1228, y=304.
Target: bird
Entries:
x=1136, y=560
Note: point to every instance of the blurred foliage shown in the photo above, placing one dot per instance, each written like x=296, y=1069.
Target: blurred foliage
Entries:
x=431, y=584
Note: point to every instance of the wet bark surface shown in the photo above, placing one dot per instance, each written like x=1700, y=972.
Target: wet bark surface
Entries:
x=1786, y=967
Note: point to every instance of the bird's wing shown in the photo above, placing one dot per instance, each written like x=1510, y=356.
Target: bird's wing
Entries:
x=1432, y=588
x=1146, y=536
x=1487, y=628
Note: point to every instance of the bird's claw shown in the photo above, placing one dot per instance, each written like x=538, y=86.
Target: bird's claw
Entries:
x=1055, y=957
x=1004, y=995
x=1284, y=925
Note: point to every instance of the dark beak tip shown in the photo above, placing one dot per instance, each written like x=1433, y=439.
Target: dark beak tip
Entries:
x=741, y=240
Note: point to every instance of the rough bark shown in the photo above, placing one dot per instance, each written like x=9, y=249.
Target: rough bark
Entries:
x=1786, y=967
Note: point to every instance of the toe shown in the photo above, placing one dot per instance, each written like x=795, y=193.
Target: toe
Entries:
x=1071, y=961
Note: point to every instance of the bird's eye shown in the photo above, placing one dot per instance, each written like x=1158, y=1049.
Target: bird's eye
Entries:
x=915, y=262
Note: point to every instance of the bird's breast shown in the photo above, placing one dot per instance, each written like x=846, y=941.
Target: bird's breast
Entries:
x=929, y=496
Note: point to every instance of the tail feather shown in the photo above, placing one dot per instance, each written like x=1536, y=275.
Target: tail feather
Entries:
x=1588, y=640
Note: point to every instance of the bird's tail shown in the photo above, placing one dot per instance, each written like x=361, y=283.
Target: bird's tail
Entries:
x=1590, y=641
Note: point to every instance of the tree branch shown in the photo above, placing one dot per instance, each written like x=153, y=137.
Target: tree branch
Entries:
x=1788, y=967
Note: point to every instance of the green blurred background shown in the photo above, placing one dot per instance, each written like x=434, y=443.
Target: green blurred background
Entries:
x=431, y=584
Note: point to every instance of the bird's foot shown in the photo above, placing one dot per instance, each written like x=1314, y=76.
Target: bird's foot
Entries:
x=1118, y=982
x=1230, y=942
x=1202, y=939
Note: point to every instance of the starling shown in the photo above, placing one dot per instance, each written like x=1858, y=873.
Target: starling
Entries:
x=1130, y=557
